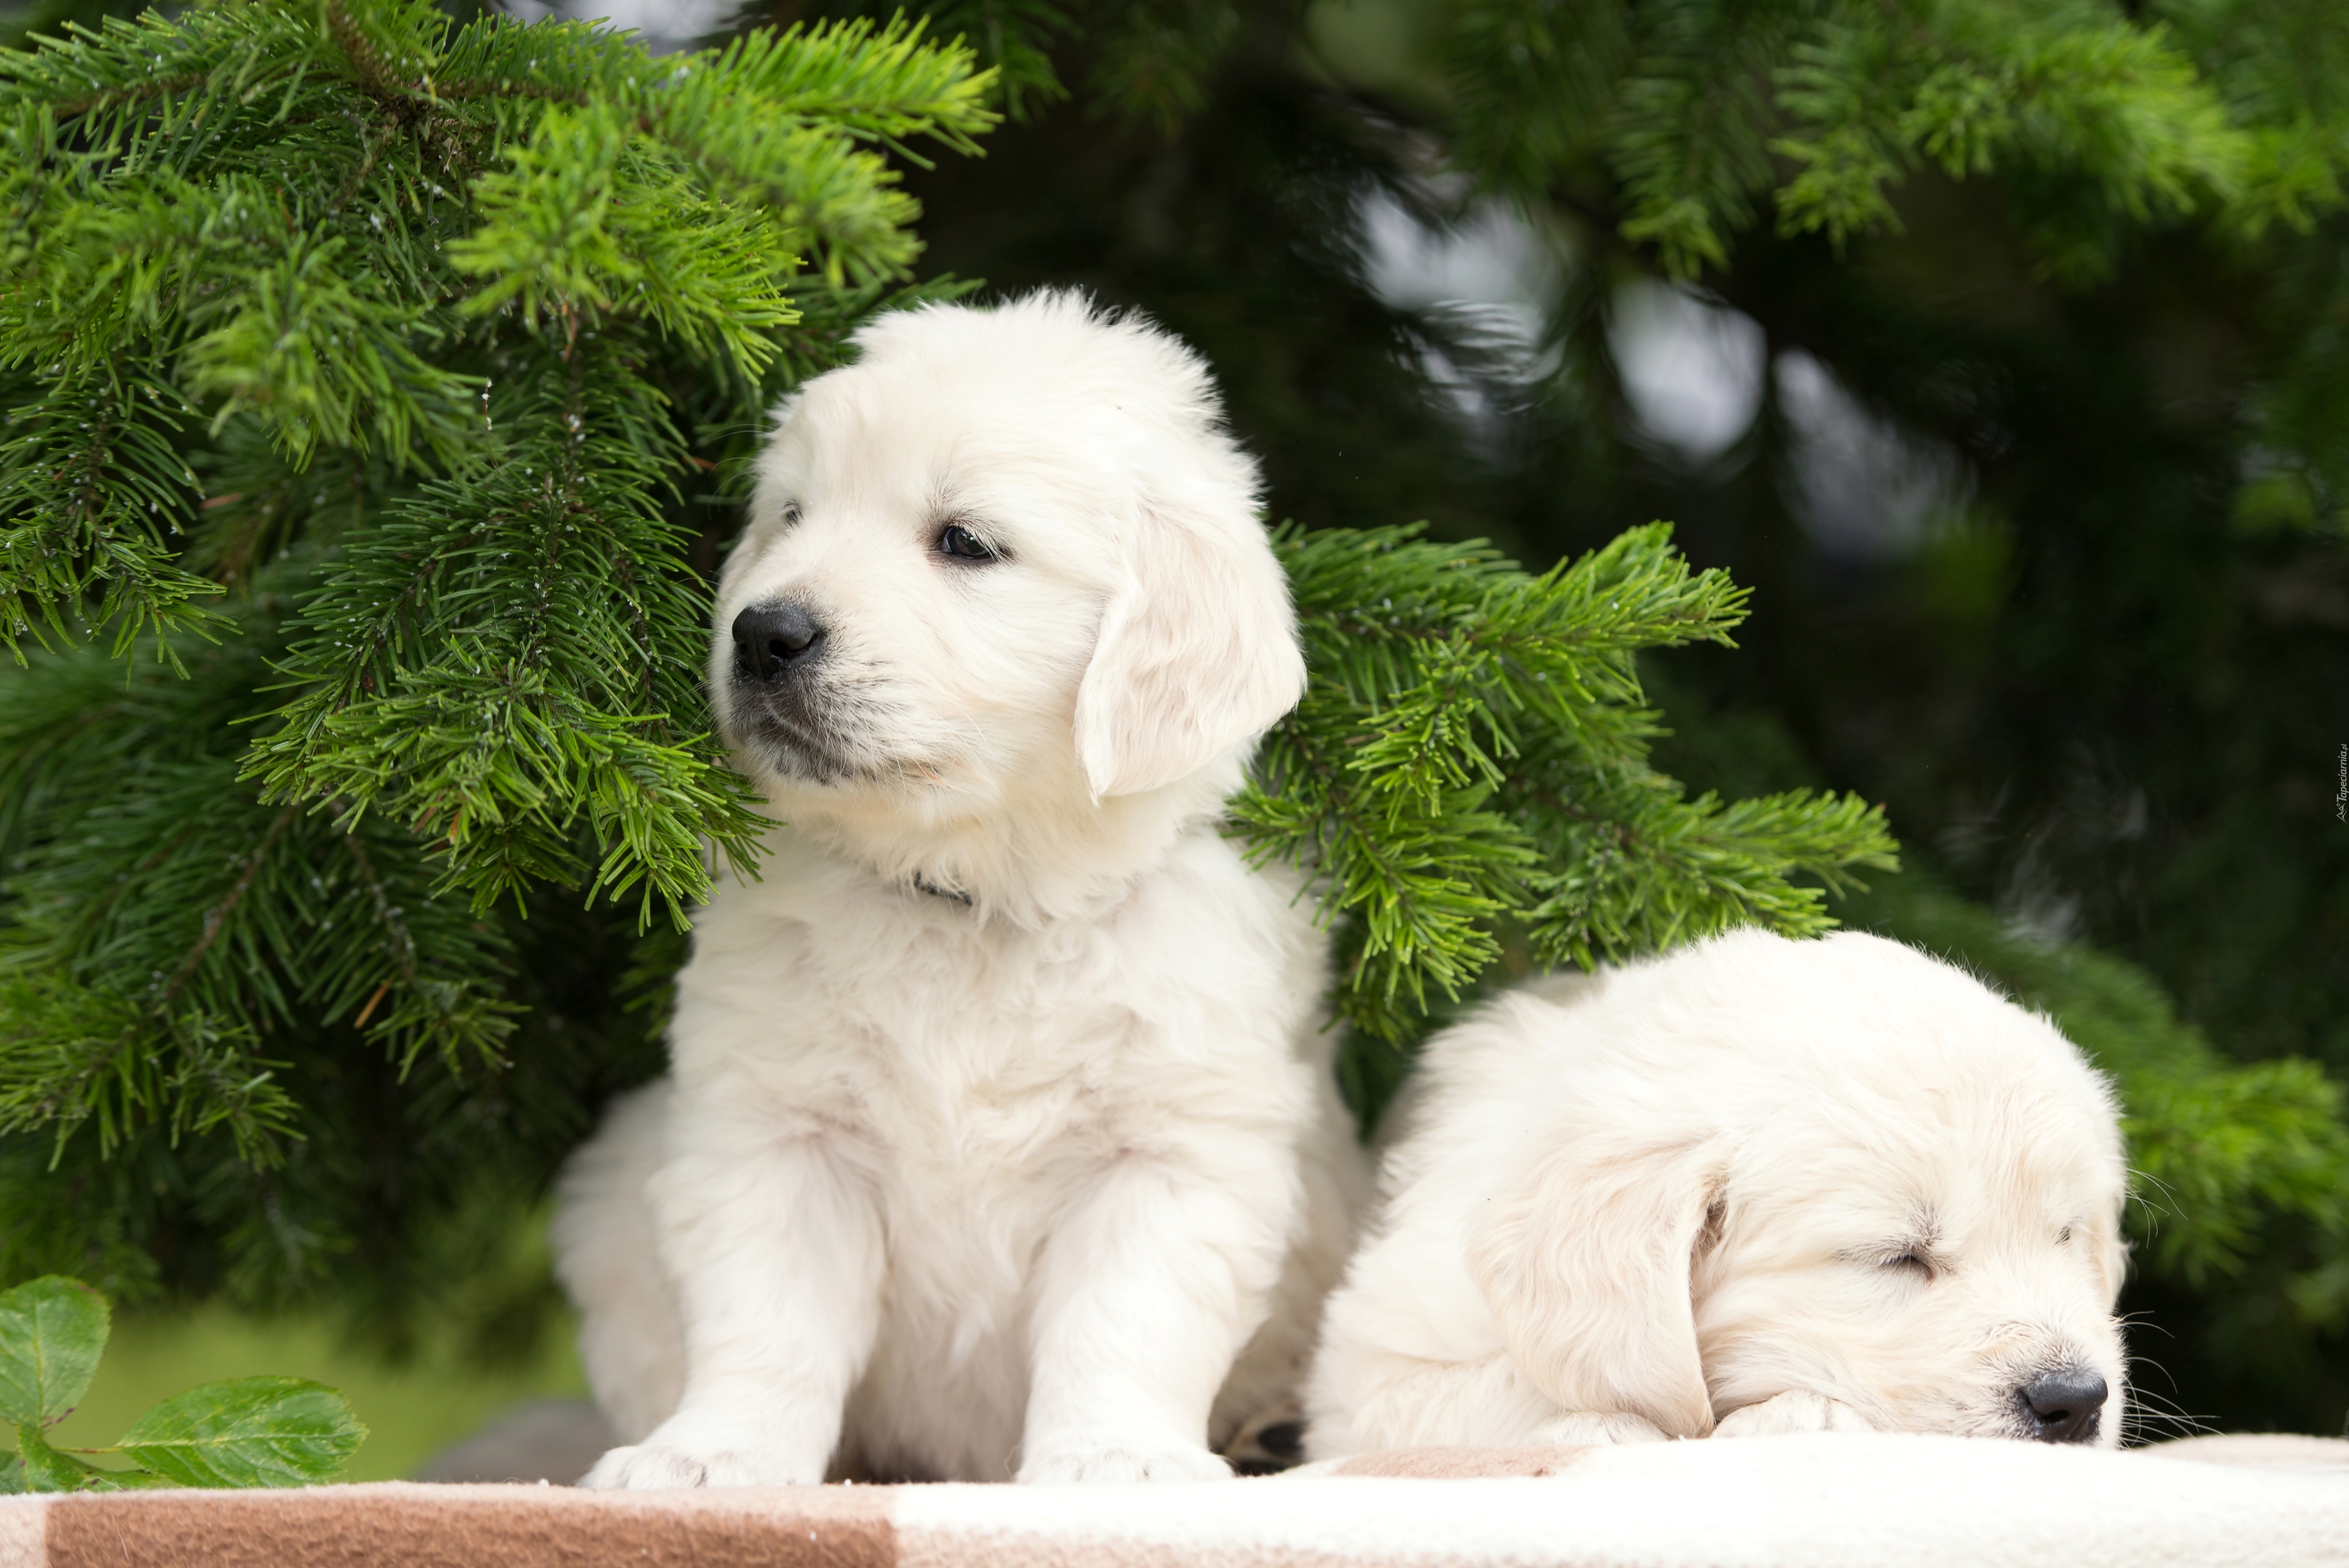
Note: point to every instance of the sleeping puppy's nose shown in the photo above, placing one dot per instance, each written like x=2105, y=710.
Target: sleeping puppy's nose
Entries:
x=771, y=637
x=2066, y=1406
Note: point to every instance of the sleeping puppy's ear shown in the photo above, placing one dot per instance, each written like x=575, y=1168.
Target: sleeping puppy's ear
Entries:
x=1585, y=1261
x=1197, y=651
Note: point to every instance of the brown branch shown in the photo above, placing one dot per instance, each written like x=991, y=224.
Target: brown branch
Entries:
x=216, y=918
x=522, y=90
x=405, y=955
x=374, y=146
x=387, y=625
x=369, y=1010
x=361, y=51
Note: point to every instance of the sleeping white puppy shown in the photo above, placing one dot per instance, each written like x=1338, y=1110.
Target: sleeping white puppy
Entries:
x=1753, y=1185
x=999, y=1121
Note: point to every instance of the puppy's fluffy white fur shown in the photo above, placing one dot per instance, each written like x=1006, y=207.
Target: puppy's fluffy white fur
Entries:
x=1753, y=1185
x=1000, y=1137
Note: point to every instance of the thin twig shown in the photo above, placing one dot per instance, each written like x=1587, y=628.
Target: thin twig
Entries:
x=216, y=918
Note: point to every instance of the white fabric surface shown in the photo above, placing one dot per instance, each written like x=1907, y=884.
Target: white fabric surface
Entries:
x=1819, y=1500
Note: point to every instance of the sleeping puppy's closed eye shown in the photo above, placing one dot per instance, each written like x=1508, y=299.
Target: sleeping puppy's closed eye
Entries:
x=1754, y=1186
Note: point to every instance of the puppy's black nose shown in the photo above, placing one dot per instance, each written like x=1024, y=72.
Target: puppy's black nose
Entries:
x=2066, y=1406
x=770, y=638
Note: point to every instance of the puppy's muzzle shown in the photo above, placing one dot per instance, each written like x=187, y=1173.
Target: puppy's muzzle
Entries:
x=2066, y=1406
x=775, y=642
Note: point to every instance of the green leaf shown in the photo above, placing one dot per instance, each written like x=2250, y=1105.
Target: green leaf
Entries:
x=40, y=1468
x=51, y=1332
x=249, y=1431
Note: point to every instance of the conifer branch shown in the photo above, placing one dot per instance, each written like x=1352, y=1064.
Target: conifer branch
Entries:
x=1494, y=743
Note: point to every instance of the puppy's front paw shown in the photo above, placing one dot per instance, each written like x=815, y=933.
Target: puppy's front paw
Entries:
x=644, y=1469
x=654, y=1466
x=1589, y=1429
x=1796, y=1410
x=1110, y=1457
x=712, y=1446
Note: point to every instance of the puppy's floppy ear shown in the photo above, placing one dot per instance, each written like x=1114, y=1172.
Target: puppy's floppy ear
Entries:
x=1585, y=1260
x=1197, y=651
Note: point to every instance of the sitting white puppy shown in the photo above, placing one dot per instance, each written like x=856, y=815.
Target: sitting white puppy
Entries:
x=999, y=1116
x=1753, y=1185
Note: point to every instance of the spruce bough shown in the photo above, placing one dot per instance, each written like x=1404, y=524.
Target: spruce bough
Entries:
x=1469, y=769
x=371, y=383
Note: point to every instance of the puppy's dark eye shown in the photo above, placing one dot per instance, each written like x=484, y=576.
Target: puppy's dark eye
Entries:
x=2064, y=1236
x=963, y=544
x=1911, y=1263
x=790, y=514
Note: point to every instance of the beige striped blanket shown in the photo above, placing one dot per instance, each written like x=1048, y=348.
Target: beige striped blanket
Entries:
x=1818, y=1501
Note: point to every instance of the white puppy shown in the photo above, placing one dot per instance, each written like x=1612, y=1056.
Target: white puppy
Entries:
x=1753, y=1185
x=1000, y=1118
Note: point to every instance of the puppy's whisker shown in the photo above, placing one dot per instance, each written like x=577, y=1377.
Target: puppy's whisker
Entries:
x=2154, y=1406
x=2148, y=1418
x=2156, y=1212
